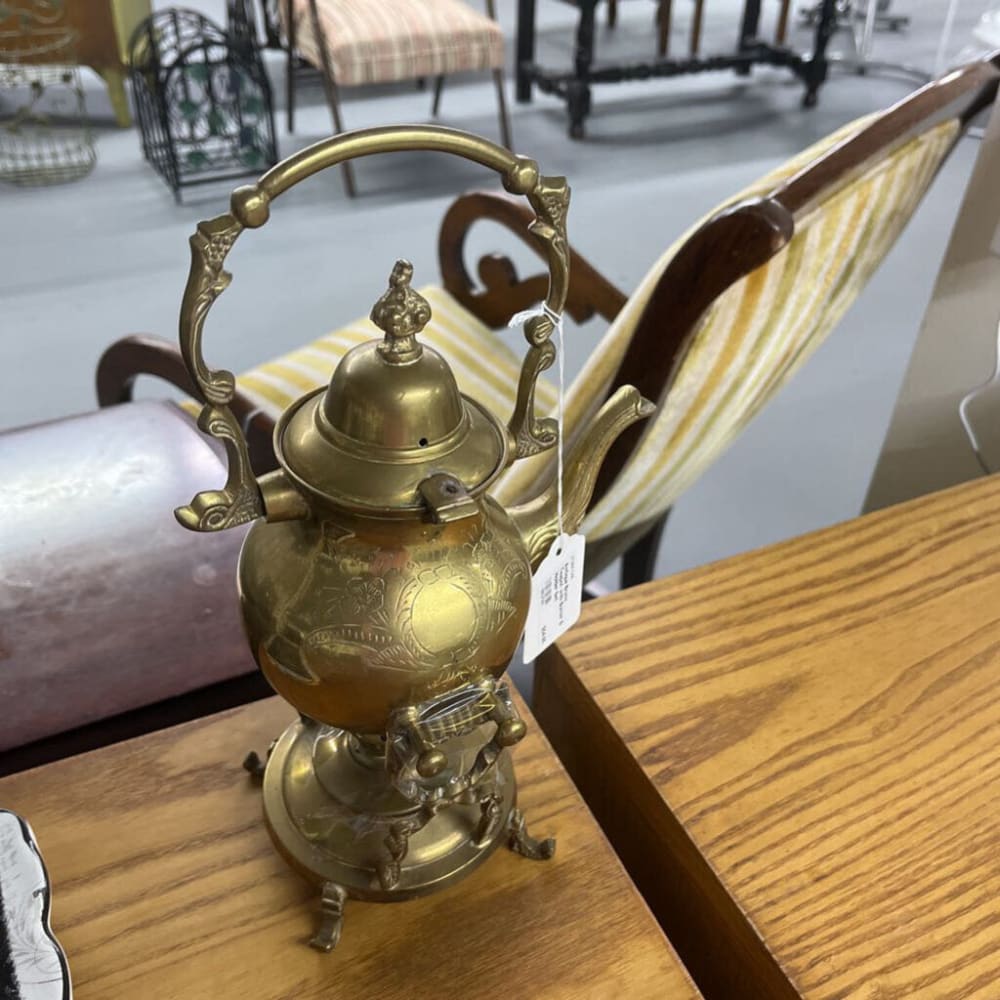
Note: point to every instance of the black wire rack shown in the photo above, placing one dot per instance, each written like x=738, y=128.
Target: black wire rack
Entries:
x=202, y=97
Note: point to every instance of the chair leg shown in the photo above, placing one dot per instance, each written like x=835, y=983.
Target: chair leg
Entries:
x=663, y=12
x=639, y=560
x=505, y=133
x=699, y=11
x=290, y=68
x=781, y=32
x=333, y=99
x=332, y=95
x=438, y=87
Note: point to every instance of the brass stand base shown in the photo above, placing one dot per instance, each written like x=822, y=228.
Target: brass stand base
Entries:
x=333, y=896
x=335, y=817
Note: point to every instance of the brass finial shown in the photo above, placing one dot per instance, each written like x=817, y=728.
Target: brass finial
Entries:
x=401, y=313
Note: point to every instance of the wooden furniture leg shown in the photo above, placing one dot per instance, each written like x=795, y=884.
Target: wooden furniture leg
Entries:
x=525, y=51
x=578, y=89
x=817, y=65
x=696, y=22
x=663, y=14
x=505, y=133
x=290, y=67
x=781, y=31
x=639, y=560
x=332, y=95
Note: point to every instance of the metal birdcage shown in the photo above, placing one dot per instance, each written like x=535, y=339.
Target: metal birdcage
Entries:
x=202, y=98
x=44, y=135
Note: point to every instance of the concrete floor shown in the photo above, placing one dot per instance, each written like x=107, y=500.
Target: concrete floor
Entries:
x=83, y=264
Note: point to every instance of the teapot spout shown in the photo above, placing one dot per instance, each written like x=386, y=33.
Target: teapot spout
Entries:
x=537, y=519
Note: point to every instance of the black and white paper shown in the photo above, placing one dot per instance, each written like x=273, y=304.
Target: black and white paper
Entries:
x=32, y=965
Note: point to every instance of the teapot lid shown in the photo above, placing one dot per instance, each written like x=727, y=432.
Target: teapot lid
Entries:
x=392, y=419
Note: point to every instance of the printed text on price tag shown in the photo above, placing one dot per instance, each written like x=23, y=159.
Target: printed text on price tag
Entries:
x=556, y=593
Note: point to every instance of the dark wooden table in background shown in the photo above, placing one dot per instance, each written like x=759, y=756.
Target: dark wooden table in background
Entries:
x=573, y=85
x=796, y=753
x=166, y=885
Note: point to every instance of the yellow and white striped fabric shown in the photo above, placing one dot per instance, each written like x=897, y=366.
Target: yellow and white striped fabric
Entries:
x=377, y=41
x=485, y=366
x=755, y=335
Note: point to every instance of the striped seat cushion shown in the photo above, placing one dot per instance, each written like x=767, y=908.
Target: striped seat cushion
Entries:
x=377, y=41
x=483, y=361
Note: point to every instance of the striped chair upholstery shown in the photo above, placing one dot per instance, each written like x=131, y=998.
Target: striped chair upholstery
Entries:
x=751, y=340
x=379, y=41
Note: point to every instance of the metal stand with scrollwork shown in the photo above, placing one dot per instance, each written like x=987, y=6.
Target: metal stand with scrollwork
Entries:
x=202, y=98
x=44, y=135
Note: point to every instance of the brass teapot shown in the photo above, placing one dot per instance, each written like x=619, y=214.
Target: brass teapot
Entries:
x=384, y=590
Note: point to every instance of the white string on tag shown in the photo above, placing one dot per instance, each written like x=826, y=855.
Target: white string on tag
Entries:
x=519, y=319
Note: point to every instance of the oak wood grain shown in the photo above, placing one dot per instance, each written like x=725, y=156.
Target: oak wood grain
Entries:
x=165, y=885
x=796, y=754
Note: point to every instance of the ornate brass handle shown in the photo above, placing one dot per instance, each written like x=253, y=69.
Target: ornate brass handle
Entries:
x=240, y=499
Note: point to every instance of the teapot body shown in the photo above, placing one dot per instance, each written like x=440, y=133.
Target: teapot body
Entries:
x=351, y=618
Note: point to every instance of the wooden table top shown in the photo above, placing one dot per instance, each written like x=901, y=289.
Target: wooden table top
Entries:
x=796, y=753
x=165, y=885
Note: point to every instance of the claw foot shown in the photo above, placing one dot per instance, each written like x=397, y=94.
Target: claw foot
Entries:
x=521, y=842
x=253, y=764
x=331, y=906
x=489, y=820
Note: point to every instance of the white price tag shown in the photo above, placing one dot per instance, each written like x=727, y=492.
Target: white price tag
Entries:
x=556, y=593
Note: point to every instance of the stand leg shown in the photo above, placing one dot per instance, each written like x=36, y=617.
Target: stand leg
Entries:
x=521, y=842
x=331, y=906
x=489, y=819
x=397, y=844
x=114, y=79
